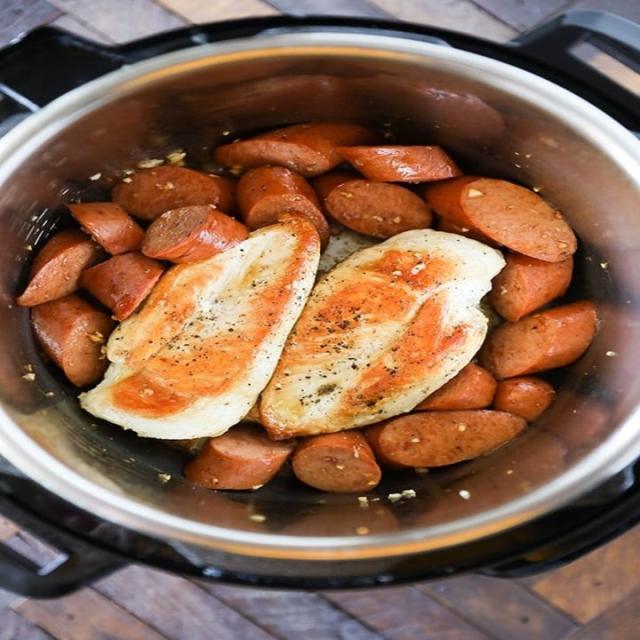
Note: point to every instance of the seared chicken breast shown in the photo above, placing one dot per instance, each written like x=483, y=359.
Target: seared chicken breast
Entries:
x=193, y=361
x=380, y=332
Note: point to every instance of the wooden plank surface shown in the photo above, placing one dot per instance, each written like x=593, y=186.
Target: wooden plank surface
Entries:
x=595, y=598
x=404, y=613
x=191, y=613
x=86, y=615
x=294, y=615
x=21, y=16
x=520, y=614
x=591, y=585
x=122, y=20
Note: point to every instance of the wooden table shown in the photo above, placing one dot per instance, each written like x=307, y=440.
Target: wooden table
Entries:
x=596, y=598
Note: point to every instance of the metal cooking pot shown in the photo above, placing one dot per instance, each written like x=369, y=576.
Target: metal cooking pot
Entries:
x=496, y=119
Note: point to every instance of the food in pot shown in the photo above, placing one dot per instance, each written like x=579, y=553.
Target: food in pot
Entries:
x=380, y=332
x=192, y=233
x=57, y=268
x=72, y=333
x=542, y=341
x=510, y=215
x=473, y=388
x=336, y=462
x=528, y=397
x=123, y=282
x=438, y=438
x=309, y=149
x=376, y=208
x=242, y=458
x=266, y=193
x=208, y=338
x=526, y=284
x=254, y=362
x=109, y=225
x=147, y=194
x=395, y=163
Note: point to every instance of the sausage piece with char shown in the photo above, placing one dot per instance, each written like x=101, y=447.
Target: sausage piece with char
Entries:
x=438, y=438
x=109, y=225
x=267, y=193
x=308, y=149
x=123, y=282
x=57, y=267
x=527, y=397
x=190, y=234
x=396, y=163
x=242, y=458
x=541, y=341
x=376, y=208
x=336, y=462
x=473, y=388
x=506, y=213
x=71, y=331
x=526, y=284
x=148, y=193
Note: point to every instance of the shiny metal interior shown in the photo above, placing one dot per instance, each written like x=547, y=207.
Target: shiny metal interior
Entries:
x=493, y=118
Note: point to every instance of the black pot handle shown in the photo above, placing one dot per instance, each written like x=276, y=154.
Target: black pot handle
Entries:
x=76, y=563
x=557, y=44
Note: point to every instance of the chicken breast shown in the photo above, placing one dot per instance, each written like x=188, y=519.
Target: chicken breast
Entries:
x=193, y=361
x=381, y=331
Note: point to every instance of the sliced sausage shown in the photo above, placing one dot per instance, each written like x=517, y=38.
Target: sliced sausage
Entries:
x=395, y=163
x=72, y=332
x=473, y=388
x=109, y=225
x=336, y=462
x=123, y=282
x=147, y=194
x=266, y=193
x=309, y=149
x=542, y=341
x=57, y=267
x=376, y=208
x=451, y=227
x=526, y=284
x=509, y=214
x=242, y=458
x=527, y=397
x=194, y=233
x=326, y=183
x=437, y=438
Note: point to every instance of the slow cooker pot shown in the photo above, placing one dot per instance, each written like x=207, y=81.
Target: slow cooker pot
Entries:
x=107, y=497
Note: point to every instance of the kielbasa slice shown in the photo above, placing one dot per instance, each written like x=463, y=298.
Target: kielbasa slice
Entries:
x=473, y=388
x=527, y=397
x=148, y=193
x=336, y=462
x=57, y=267
x=542, y=341
x=438, y=438
x=193, y=233
x=526, y=284
x=506, y=213
x=109, y=225
x=123, y=282
x=72, y=332
x=241, y=458
x=397, y=163
x=266, y=193
x=308, y=149
x=376, y=208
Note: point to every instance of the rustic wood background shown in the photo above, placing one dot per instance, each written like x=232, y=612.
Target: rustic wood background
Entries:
x=595, y=598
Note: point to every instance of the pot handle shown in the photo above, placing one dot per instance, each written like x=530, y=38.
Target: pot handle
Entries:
x=75, y=563
x=562, y=43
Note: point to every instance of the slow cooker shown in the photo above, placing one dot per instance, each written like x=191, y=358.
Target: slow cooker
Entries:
x=530, y=111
